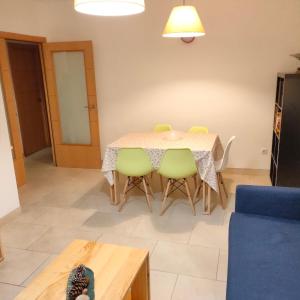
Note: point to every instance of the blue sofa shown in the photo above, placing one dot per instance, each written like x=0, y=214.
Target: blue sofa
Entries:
x=264, y=244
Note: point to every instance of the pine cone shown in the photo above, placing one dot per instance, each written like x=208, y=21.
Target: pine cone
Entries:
x=78, y=286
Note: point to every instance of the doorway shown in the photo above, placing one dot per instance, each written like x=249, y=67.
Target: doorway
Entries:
x=26, y=72
x=50, y=97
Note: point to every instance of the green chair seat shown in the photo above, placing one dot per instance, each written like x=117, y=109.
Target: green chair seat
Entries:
x=198, y=129
x=178, y=164
x=133, y=162
x=162, y=127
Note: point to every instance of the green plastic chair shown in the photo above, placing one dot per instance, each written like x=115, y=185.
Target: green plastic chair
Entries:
x=162, y=127
x=198, y=129
x=135, y=164
x=177, y=165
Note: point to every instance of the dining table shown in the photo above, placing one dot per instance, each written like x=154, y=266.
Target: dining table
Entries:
x=206, y=148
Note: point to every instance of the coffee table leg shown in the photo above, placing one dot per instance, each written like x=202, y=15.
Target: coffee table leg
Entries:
x=140, y=289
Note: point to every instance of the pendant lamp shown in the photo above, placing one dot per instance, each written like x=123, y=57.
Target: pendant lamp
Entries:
x=109, y=7
x=184, y=22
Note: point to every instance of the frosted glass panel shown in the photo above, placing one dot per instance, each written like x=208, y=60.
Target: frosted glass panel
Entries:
x=72, y=97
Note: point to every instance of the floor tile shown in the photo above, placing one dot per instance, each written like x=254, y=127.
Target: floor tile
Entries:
x=38, y=270
x=210, y=235
x=66, y=217
x=223, y=265
x=165, y=228
x=100, y=202
x=29, y=213
x=129, y=241
x=112, y=223
x=8, y=291
x=185, y=259
x=18, y=265
x=162, y=285
x=21, y=235
x=137, y=205
x=56, y=239
x=192, y=288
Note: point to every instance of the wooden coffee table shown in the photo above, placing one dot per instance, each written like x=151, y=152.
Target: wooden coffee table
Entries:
x=121, y=273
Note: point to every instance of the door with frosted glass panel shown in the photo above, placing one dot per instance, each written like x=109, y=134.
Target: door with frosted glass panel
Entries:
x=70, y=76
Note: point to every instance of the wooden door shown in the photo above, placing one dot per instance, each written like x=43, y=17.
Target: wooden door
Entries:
x=25, y=64
x=12, y=114
x=69, y=69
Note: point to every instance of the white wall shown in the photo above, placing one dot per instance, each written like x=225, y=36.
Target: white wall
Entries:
x=8, y=190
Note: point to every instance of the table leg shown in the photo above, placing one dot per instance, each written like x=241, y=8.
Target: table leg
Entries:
x=206, y=199
x=1, y=252
x=116, y=202
x=209, y=200
x=112, y=191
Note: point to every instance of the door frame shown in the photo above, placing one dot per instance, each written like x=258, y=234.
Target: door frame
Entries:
x=10, y=100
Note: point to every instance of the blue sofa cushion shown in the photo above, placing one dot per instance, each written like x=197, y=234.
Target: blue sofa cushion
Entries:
x=264, y=258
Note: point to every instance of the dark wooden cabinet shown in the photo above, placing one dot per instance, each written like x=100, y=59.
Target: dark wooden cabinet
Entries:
x=285, y=160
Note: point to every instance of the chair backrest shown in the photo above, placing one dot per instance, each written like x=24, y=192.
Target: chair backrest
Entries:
x=162, y=127
x=198, y=129
x=178, y=164
x=226, y=154
x=133, y=162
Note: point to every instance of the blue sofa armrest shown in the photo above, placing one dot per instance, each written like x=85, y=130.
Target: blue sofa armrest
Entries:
x=279, y=202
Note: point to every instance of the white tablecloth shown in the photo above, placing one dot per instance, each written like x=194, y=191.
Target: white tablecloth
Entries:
x=206, y=149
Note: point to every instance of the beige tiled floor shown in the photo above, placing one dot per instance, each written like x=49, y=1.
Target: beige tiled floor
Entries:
x=188, y=254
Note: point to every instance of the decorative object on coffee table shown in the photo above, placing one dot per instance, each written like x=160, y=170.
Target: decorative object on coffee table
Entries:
x=297, y=55
x=81, y=282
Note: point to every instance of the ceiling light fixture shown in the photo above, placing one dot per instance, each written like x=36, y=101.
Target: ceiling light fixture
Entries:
x=184, y=22
x=110, y=7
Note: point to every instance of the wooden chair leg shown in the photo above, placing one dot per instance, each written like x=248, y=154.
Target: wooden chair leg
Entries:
x=220, y=191
x=147, y=194
x=161, y=183
x=195, y=181
x=189, y=196
x=124, y=200
x=223, y=184
x=164, y=207
x=149, y=186
x=197, y=192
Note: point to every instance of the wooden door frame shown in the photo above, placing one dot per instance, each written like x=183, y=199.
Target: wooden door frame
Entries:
x=10, y=100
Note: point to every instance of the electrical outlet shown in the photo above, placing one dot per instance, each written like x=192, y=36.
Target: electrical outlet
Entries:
x=264, y=151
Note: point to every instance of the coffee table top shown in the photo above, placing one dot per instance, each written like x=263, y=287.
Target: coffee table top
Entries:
x=115, y=268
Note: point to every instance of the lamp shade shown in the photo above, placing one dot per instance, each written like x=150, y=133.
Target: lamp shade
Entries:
x=110, y=7
x=184, y=22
